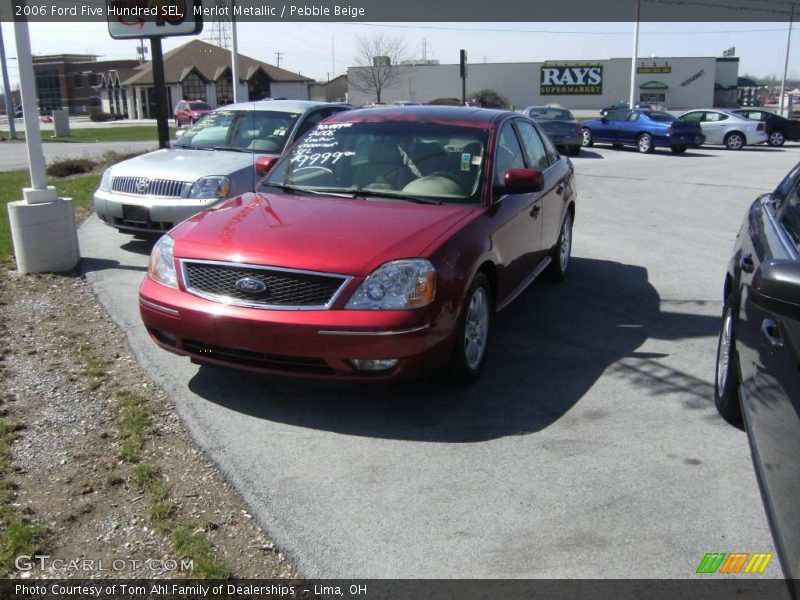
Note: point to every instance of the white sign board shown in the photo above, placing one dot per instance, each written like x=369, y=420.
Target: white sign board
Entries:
x=129, y=19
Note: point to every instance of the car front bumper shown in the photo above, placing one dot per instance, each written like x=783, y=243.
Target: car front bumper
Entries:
x=301, y=343
x=146, y=213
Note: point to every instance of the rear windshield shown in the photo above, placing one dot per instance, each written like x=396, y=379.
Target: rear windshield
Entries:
x=661, y=116
x=199, y=106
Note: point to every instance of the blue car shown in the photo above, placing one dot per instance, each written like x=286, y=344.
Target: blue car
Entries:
x=645, y=129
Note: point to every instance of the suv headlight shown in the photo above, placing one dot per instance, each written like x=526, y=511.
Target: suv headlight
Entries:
x=215, y=186
x=396, y=285
x=162, y=262
x=105, y=181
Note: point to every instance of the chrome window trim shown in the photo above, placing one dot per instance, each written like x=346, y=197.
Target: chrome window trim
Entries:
x=787, y=243
x=346, y=279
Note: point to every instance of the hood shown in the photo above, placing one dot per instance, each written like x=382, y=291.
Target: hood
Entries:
x=316, y=233
x=181, y=164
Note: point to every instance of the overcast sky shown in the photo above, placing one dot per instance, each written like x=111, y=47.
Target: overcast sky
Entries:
x=319, y=49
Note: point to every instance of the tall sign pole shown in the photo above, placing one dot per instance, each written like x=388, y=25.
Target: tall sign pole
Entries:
x=234, y=54
x=463, y=69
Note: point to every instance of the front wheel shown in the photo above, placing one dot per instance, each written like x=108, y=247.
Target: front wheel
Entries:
x=557, y=269
x=776, y=138
x=734, y=141
x=469, y=352
x=726, y=377
x=587, y=138
x=644, y=143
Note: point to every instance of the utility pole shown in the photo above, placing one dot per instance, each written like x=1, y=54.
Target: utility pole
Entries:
x=10, y=111
x=278, y=57
x=786, y=62
x=333, y=58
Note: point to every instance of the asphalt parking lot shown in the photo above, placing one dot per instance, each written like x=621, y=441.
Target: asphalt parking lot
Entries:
x=589, y=449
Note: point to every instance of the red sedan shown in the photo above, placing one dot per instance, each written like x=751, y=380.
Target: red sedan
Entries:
x=381, y=245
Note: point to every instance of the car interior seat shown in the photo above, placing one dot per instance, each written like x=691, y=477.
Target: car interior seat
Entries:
x=384, y=168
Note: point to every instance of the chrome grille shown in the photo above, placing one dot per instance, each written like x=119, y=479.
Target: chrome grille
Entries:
x=285, y=288
x=144, y=186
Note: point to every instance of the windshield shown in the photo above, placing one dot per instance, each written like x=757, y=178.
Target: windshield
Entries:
x=244, y=130
x=199, y=106
x=546, y=112
x=407, y=160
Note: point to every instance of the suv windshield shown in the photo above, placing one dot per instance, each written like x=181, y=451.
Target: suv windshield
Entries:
x=406, y=160
x=243, y=130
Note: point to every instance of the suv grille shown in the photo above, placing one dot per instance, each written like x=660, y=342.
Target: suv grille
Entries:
x=283, y=288
x=144, y=186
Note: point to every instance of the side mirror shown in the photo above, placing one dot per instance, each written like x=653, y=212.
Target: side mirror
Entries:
x=264, y=164
x=523, y=181
x=776, y=287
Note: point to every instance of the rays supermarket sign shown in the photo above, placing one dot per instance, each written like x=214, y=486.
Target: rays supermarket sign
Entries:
x=567, y=80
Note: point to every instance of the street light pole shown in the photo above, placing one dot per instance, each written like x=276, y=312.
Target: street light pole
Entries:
x=42, y=224
x=631, y=102
x=786, y=61
x=234, y=54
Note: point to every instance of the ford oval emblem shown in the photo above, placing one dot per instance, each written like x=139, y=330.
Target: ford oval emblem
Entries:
x=251, y=285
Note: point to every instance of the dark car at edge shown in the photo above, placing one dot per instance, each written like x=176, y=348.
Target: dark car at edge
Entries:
x=757, y=384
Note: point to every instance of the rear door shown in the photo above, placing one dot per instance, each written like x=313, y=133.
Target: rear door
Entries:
x=769, y=354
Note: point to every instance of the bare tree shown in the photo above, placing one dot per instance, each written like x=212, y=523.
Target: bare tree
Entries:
x=377, y=60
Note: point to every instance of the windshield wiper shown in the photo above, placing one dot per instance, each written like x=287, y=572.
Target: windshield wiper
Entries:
x=363, y=193
x=295, y=188
x=229, y=148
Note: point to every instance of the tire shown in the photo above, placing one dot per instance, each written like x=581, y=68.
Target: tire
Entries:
x=588, y=141
x=472, y=341
x=776, y=138
x=734, y=141
x=678, y=149
x=560, y=257
x=644, y=143
x=726, y=374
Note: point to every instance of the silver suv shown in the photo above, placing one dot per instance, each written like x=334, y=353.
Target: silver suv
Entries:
x=213, y=160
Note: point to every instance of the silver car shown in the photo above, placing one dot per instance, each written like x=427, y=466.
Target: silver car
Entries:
x=726, y=128
x=213, y=160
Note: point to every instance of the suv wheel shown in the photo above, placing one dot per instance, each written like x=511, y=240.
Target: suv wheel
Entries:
x=776, y=138
x=726, y=376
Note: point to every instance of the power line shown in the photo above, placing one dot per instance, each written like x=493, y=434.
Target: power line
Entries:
x=567, y=32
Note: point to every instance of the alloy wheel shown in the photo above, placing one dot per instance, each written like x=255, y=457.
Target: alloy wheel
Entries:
x=724, y=351
x=476, y=328
x=776, y=138
x=565, y=249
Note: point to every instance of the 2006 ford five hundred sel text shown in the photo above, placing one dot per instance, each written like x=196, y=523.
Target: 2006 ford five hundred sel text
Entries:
x=380, y=245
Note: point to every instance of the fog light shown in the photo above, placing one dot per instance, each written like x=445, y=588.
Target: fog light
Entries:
x=373, y=365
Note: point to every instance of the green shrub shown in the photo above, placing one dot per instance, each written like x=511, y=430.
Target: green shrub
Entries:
x=70, y=166
x=446, y=102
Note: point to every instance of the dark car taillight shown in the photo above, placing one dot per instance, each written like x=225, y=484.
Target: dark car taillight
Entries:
x=579, y=129
x=670, y=130
x=761, y=126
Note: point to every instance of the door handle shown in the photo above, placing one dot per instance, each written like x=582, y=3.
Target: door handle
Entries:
x=746, y=263
x=560, y=190
x=535, y=211
x=771, y=331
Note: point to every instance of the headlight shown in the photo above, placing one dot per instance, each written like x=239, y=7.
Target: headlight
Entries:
x=396, y=285
x=216, y=186
x=162, y=263
x=105, y=182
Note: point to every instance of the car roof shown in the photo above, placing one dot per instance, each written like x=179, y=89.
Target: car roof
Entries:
x=289, y=106
x=455, y=115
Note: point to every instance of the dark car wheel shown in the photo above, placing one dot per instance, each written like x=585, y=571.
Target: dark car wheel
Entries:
x=734, y=141
x=587, y=138
x=472, y=342
x=645, y=143
x=557, y=269
x=776, y=138
x=726, y=376
x=678, y=149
